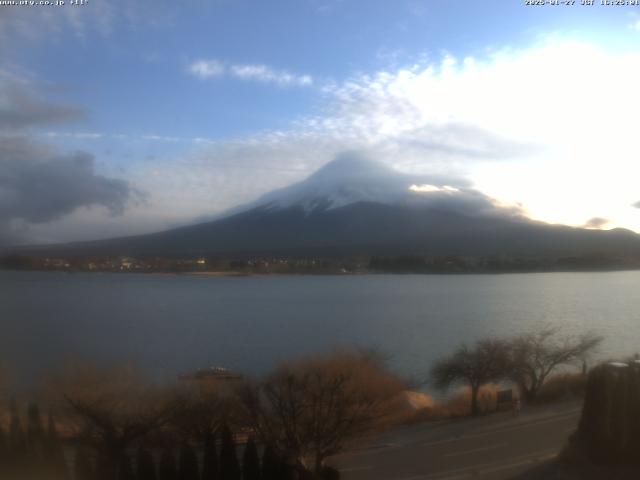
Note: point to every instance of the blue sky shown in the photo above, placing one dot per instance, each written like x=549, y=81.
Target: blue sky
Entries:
x=184, y=109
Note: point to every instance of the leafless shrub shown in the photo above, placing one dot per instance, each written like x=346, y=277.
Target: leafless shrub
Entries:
x=534, y=356
x=110, y=408
x=459, y=405
x=485, y=362
x=312, y=409
x=562, y=386
x=201, y=413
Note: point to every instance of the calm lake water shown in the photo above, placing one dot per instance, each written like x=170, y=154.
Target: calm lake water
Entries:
x=168, y=324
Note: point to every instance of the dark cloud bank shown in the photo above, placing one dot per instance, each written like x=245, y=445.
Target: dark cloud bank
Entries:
x=37, y=183
x=20, y=108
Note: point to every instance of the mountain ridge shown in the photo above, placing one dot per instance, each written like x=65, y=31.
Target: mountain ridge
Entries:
x=353, y=206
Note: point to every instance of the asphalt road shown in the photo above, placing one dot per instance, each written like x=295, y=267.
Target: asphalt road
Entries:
x=498, y=446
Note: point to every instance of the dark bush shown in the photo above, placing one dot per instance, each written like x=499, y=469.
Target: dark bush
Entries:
x=188, y=464
x=210, y=468
x=125, y=470
x=329, y=473
x=250, y=462
x=167, y=469
x=145, y=466
x=229, y=466
x=609, y=428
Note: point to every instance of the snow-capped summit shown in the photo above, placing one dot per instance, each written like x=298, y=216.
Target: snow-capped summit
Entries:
x=350, y=179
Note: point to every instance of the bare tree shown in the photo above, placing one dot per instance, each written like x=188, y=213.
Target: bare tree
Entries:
x=310, y=410
x=487, y=361
x=534, y=356
x=114, y=408
x=201, y=414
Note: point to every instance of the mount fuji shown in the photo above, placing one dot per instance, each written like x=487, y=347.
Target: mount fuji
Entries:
x=351, y=179
x=354, y=206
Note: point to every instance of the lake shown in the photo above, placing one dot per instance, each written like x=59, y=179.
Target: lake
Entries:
x=168, y=324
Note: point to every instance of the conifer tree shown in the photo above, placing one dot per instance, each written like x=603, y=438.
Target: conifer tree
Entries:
x=145, y=466
x=229, y=467
x=106, y=467
x=4, y=453
x=125, y=470
x=287, y=472
x=16, y=435
x=83, y=465
x=250, y=461
x=167, y=469
x=35, y=430
x=210, y=467
x=17, y=442
x=53, y=453
x=271, y=464
x=188, y=464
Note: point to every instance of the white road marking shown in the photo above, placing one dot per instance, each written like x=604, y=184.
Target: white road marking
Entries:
x=475, y=450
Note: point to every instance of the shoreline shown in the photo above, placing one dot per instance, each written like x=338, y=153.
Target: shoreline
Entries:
x=238, y=274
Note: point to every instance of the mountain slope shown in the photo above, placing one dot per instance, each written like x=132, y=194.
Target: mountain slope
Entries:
x=356, y=207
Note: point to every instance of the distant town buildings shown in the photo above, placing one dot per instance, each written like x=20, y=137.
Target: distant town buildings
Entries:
x=264, y=265
x=212, y=373
x=215, y=379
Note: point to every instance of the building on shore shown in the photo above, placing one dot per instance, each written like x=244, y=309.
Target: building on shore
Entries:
x=214, y=379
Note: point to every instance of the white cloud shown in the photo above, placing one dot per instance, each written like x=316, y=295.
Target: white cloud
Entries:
x=76, y=135
x=33, y=24
x=426, y=188
x=262, y=73
x=205, y=69
x=551, y=126
x=545, y=126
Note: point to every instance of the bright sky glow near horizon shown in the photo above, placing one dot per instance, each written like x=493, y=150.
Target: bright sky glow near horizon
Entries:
x=122, y=117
